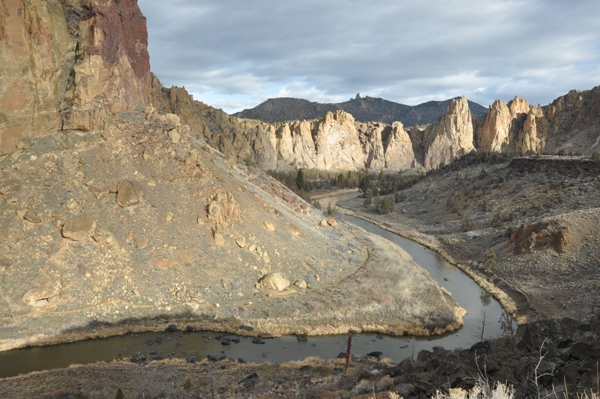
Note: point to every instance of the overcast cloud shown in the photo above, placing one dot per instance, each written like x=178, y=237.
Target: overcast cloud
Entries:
x=235, y=54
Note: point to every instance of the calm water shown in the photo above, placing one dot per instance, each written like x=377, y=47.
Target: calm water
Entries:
x=183, y=345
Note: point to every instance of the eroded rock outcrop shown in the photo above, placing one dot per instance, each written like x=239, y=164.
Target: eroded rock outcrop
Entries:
x=539, y=236
x=502, y=125
x=399, y=153
x=337, y=144
x=534, y=135
x=450, y=137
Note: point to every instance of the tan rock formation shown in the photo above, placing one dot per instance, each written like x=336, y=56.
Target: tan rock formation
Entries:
x=372, y=136
x=275, y=281
x=540, y=236
x=69, y=65
x=399, y=153
x=43, y=290
x=502, y=125
x=295, y=144
x=533, y=136
x=79, y=228
x=450, y=137
x=337, y=144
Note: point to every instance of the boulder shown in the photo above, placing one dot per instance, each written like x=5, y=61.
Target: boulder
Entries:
x=43, y=289
x=275, y=281
x=129, y=193
x=79, y=228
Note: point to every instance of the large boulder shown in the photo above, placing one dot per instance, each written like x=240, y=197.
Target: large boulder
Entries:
x=275, y=281
x=79, y=228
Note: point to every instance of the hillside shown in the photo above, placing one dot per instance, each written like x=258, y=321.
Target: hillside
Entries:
x=116, y=216
x=528, y=227
x=364, y=109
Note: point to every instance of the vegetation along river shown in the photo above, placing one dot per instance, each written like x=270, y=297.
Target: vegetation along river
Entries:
x=202, y=343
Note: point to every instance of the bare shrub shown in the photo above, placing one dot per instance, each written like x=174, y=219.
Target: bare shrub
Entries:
x=467, y=225
x=481, y=390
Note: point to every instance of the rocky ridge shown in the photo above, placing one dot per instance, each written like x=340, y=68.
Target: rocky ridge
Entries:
x=364, y=109
x=571, y=123
x=69, y=65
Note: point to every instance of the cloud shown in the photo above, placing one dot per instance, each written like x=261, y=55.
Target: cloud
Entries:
x=237, y=54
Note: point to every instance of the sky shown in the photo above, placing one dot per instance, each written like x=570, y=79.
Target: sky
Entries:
x=235, y=54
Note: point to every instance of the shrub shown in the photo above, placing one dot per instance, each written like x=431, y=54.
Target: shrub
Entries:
x=596, y=155
x=120, y=394
x=250, y=161
x=400, y=196
x=331, y=209
x=467, y=225
x=481, y=390
x=387, y=205
x=368, y=197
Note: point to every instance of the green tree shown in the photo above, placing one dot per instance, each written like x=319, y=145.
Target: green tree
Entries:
x=381, y=181
x=364, y=184
x=119, y=394
x=300, y=179
x=368, y=197
x=387, y=205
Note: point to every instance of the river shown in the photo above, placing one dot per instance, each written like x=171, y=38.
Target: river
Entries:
x=202, y=343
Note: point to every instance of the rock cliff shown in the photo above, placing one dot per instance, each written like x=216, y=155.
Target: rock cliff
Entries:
x=69, y=65
x=502, y=125
x=450, y=137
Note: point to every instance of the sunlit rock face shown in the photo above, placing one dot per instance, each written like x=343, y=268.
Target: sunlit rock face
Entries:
x=450, y=137
x=69, y=65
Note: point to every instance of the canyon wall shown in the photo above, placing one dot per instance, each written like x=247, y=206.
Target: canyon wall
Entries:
x=76, y=65
x=338, y=142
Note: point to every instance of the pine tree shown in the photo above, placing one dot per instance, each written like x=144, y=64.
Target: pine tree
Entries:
x=300, y=179
x=368, y=197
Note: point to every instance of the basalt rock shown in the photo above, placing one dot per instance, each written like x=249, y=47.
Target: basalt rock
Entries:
x=539, y=236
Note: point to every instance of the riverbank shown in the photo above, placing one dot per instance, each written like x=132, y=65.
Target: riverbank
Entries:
x=508, y=303
x=316, y=195
x=529, y=232
x=387, y=293
x=569, y=369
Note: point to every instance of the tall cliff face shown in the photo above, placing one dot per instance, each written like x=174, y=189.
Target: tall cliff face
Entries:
x=450, y=137
x=69, y=65
x=572, y=122
x=502, y=125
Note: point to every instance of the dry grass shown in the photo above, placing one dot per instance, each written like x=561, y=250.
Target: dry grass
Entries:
x=481, y=390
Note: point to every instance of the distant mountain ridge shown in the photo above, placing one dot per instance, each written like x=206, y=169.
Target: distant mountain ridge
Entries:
x=364, y=109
